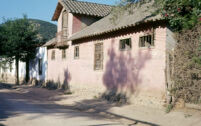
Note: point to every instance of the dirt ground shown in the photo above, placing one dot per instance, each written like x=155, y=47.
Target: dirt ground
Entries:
x=32, y=106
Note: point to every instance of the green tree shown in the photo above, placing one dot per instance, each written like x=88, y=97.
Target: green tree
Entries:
x=19, y=40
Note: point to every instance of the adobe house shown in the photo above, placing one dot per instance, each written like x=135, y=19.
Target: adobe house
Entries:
x=72, y=16
x=128, y=55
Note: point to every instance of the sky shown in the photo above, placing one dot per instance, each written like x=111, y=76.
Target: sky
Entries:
x=35, y=9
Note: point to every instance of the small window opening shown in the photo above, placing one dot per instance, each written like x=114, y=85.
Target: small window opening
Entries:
x=125, y=44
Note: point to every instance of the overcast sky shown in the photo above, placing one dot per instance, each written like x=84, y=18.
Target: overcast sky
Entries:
x=36, y=9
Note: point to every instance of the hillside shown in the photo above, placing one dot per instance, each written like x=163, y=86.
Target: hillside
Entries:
x=46, y=30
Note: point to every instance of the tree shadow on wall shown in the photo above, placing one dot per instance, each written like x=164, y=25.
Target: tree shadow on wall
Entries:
x=60, y=84
x=66, y=82
x=123, y=73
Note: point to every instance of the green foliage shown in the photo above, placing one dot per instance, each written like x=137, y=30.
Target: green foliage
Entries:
x=18, y=41
x=45, y=29
x=169, y=108
x=1, y=39
x=182, y=14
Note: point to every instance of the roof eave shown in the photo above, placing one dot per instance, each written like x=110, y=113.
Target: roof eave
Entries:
x=113, y=30
x=57, y=12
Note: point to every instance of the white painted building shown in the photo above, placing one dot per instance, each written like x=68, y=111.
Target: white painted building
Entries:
x=38, y=66
x=8, y=74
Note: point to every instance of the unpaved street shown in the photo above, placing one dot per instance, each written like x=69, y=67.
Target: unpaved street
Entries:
x=31, y=106
x=26, y=108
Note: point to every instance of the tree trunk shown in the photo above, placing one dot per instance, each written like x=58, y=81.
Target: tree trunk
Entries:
x=17, y=71
x=27, y=70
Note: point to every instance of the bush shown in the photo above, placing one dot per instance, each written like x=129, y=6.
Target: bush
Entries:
x=51, y=85
x=114, y=97
x=187, y=66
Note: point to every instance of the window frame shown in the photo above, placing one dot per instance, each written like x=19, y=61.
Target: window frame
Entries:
x=123, y=46
x=76, y=52
x=64, y=24
x=53, y=55
x=40, y=66
x=98, y=53
x=63, y=54
x=146, y=44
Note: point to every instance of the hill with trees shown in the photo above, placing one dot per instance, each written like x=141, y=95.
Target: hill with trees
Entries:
x=46, y=30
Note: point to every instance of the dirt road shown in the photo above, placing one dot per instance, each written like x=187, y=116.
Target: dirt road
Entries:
x=31, y=106
x=21, y=107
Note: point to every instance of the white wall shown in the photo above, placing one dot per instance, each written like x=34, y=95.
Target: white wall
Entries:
x=34, y=64
x=9, y=75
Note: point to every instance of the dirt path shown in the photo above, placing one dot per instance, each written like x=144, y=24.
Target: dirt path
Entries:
x=35, y=107
x=30, y=106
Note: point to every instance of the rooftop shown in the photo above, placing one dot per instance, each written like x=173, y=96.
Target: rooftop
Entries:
x=140, y=14
x=85, y=8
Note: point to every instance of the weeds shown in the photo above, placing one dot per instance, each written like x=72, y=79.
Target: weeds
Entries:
x=51, y=85
x=169, y=108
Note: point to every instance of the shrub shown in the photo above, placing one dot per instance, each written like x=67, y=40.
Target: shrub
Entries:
x=114, y=97
x=187, y=66
x=51, y=85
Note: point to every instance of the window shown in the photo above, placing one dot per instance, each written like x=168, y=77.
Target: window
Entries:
x=76, y=52
x=40, y=66
x=10, y=66
x=53, y=55
x=65, y=19
x=125, y=44
x=98, y=56
x=63, y=53
x=65, y=24
x=146, y=41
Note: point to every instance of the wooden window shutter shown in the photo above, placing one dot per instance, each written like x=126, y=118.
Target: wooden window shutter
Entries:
x=98, y=56
x=53, y=55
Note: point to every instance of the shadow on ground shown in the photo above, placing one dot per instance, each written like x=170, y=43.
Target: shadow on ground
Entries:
x=6, y=86
x=32, y=101
x=101, y=107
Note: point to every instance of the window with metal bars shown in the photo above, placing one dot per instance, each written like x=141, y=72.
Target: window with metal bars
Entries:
x=146, y=41
x=125, y=44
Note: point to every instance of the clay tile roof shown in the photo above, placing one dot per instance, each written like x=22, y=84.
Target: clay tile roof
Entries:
x=87, y=8
x=143, y=13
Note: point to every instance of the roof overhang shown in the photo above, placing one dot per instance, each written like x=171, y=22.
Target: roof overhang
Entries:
x=57, y=12
x=74, y=37
x=50, y=43
x=62, y=45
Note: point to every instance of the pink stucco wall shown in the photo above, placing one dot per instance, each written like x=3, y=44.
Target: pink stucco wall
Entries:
x=56, y=67
x=77, y=24
x=137, y=71
x=81, y=21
